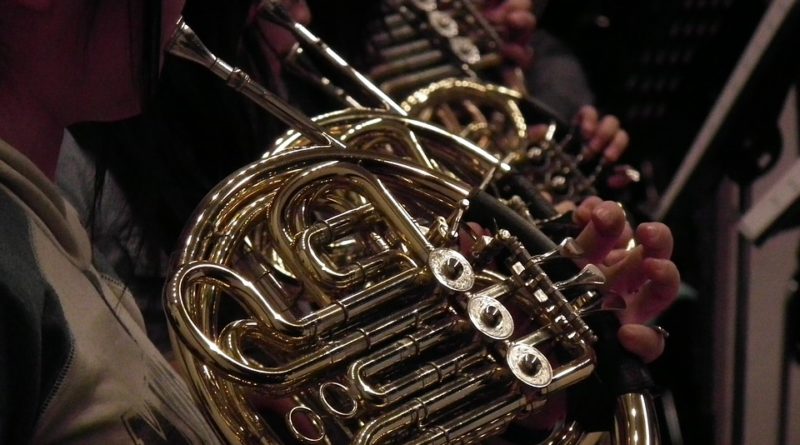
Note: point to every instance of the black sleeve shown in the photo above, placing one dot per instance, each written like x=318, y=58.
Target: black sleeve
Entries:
x=34, y=351
x=20, y=368
x=557, y=77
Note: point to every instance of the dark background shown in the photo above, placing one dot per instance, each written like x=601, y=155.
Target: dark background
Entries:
x=660, y=66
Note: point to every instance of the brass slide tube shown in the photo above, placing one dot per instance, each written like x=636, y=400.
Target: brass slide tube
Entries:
x=362, y=371
x=424, y=407
x=361, y=180
x=187, y=45
x=288, y=376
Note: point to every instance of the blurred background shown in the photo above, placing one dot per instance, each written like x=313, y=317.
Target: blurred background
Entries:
x=707, y=90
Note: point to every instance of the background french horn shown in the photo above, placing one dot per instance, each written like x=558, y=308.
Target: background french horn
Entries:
x=440, y=60
x=341, y=288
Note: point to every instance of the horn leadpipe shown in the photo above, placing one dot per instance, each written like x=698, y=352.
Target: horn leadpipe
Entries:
x=185, y=44
x=273, y=11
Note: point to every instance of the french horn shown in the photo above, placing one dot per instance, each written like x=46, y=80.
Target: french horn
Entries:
x=440, y=61
x=333, y=293
x=519, y=179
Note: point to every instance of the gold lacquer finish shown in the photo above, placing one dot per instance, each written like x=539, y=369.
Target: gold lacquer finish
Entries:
x=634, y=422
x=332, y=292
x=366, y=353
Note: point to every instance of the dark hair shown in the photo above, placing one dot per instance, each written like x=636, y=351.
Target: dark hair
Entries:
x=151, y=48
x=345, y=25
x=193, y=132
x=3, y=56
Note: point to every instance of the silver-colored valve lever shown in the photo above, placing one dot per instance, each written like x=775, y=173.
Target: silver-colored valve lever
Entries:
x=568, y=248
x=590, y=275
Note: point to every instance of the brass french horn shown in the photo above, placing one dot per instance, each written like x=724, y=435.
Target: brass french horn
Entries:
x=544, y=167
x=433, y=57
x=333, y=293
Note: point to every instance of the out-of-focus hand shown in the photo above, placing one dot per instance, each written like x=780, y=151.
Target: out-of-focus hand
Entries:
x=601, y=136
x=641, y=279
x=277, y=41
x=515, y=23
